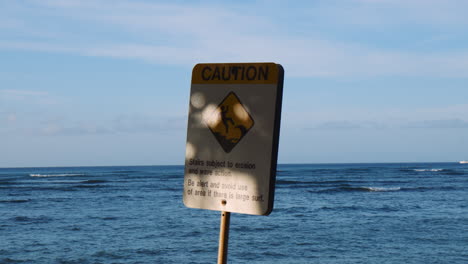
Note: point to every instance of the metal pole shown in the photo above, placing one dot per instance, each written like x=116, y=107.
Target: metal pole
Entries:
x=224, y=237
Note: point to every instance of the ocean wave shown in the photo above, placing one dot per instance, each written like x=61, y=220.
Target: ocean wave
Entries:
x=342, y=208
x=89, y=186
x=432, y=170
x=441, y=171
x=50, y=188
x=57, y=175
x=286, y=182
x=362, y=189
x=108, y=255
x=317, y=182
x=94, y=181
x=296, y=184
x=382, y=189
x=125, y=171
x=34, y=220
x=453, y=172
x=435, y=188
x=15, y=201
x=10, y=260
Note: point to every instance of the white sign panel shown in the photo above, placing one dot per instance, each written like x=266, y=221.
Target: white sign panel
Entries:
x=232, y=137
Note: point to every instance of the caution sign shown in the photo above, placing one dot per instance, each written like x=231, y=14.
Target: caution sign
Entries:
x=232, y=137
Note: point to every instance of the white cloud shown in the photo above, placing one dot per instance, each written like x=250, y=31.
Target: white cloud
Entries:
x=186, y=34
x=300, y=58
x=455, y=116
x=122, y=124
x=28, y=97
x=340, y=125
x=400, y=12
x=444, y=123
x=21, y=94
x=11, y=117
x=38, y=46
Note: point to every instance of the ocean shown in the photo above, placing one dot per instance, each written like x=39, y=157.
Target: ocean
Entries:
x=323, y=213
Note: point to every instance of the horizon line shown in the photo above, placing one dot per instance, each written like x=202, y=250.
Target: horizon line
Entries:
x=279, y=164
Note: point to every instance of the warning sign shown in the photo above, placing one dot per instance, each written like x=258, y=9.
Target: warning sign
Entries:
x=232, y=137
x=230, y=122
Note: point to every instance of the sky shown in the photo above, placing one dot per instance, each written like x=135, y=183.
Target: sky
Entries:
x=100, y=82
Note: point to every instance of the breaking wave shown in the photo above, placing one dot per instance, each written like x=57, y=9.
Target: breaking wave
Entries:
x=362, y=189
x=381, y=189
x=57, y=175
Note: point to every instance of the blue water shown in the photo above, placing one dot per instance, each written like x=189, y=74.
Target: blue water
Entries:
x=333, y=213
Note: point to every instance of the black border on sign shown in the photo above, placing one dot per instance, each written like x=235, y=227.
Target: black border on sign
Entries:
x=276, y=133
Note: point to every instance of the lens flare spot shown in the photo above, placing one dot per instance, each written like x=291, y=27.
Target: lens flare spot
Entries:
x=240, y=112
x=190, y=151
x=211, y=115
x=197, y=100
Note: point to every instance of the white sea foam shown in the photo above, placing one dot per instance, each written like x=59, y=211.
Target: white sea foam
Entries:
x=382, y=189
x=433, y=170
x=57, y=175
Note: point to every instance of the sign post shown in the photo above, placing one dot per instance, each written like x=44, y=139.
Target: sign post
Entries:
x=223, y=237
x=232, y=139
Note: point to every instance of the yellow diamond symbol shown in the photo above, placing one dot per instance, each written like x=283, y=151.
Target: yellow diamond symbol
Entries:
x=229, y=122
